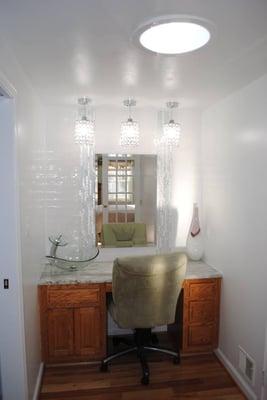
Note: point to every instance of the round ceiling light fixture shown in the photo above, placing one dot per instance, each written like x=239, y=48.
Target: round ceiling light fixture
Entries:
x=174, y=35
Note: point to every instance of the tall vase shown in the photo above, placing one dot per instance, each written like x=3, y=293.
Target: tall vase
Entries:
x=194, y=243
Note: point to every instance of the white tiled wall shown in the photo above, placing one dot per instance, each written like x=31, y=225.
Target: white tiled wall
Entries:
x=63, y=161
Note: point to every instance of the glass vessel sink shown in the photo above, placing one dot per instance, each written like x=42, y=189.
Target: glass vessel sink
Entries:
x=66, y=263
x=71, y=265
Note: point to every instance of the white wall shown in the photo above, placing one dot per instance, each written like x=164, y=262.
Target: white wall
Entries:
x=29, y=151
x=64, y=158
x=234, y=149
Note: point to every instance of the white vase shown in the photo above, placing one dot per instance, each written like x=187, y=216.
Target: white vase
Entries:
x=194, y=243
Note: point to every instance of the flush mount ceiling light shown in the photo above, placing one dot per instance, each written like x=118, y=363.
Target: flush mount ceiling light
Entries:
x=84, y=125
x=174, y=35
x=129, y=128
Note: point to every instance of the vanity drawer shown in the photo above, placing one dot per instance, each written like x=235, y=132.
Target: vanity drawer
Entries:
x=199, y=336
x=205, y=290
x=72, y=297
x=201, y=311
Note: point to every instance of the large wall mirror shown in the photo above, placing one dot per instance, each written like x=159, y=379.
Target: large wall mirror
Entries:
x=126, y=199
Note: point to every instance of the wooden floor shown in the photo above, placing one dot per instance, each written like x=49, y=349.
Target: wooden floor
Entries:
x=198, y=377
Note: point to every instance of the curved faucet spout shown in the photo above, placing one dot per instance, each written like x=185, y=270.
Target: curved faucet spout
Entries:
x=56, y=241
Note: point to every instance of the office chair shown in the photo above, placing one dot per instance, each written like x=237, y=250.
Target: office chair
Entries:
x=145, y=291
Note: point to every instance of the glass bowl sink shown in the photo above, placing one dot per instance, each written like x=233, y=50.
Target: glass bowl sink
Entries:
x=70, y=265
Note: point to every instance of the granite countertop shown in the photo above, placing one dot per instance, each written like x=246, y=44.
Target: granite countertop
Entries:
x=101, y=272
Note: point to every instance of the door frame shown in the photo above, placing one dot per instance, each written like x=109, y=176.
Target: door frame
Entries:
x=12, y=341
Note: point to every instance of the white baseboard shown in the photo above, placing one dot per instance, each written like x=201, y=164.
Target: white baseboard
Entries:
x=238, y=378
x=38, y=382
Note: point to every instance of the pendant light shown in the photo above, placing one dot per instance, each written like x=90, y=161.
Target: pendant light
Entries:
x=84, y=125
x=171, y=130
x=130, y=128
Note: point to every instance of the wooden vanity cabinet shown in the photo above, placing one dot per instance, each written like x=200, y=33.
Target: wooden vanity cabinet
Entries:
x=200, y=316
x=74, y=319
x=73, y=322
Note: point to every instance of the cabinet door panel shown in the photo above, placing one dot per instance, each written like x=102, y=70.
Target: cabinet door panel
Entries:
x=88, y=331
x=60, y=332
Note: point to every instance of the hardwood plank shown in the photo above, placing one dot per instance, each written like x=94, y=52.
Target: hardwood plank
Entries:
x=198, y=377
x=159, y=394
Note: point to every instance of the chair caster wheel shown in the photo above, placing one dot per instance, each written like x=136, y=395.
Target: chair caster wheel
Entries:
x=104, y=367
x=145, y=380
x=176, y=360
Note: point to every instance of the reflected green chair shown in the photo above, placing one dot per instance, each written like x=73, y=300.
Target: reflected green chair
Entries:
x=124, y=234
x=145, y=292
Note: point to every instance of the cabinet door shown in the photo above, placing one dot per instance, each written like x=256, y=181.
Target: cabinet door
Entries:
x=88, y=331
x=60, y=332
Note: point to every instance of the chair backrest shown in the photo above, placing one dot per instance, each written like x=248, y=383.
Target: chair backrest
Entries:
x=145, y=289
x=124, y=234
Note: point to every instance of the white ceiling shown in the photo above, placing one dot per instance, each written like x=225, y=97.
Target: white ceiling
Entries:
x=70, y=48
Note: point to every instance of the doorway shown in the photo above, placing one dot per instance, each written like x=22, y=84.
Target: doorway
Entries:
x=12, y=344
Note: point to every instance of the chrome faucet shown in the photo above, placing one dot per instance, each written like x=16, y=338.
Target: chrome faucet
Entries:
x=56, y=241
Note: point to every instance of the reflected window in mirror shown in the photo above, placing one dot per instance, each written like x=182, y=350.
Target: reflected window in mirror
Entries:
x=126, y=196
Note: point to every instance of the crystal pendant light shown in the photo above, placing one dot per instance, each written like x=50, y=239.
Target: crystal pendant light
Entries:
x=171, y=130
x=130, y=128
x=84, y=125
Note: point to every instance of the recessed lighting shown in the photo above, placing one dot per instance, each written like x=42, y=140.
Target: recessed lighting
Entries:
x=174, y=37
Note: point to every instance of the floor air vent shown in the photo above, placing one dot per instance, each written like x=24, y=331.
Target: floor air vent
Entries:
x=247, y=365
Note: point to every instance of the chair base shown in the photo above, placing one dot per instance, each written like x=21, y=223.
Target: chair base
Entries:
x=142, y=340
